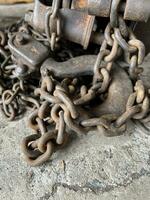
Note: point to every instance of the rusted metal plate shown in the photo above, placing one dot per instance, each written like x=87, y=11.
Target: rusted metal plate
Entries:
x=27, y=50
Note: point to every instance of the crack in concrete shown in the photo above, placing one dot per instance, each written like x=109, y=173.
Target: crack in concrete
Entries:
x=96, y=186
x=148, y=161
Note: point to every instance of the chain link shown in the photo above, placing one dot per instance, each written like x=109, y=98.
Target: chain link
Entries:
x=52, y=24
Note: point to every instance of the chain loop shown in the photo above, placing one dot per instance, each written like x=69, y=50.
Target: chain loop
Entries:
x=114, y=13
x=52, y=26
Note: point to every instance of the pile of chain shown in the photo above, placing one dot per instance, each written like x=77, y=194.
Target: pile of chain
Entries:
x=61, y=100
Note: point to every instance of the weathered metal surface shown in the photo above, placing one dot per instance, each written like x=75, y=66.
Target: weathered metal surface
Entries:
x=39, y=16
x=118, y=93
x=74, y=67
x=133, y=10
x=145, y=76
x=79, y=4
x=27, y=50
x=137, y=10
x=144, y=34
x=36, y=18
x=66, y=3
x=77, y=26
x=99, y=7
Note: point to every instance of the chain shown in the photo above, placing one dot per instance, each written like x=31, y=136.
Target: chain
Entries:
x=52, y=24
x=138, y=103
x=134, y=51
x=63, y=105
x=116, y=35
x=50, y=122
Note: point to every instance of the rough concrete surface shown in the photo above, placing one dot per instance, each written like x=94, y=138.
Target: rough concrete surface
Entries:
x=91, y=167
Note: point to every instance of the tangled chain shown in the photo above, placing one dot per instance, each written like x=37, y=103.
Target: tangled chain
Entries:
x=60, y=106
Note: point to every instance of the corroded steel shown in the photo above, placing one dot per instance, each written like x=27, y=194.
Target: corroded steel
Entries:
x=77, y=26
x=48, y=65
x=137, y=10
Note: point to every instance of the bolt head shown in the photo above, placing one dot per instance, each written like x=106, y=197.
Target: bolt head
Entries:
x=21, y=70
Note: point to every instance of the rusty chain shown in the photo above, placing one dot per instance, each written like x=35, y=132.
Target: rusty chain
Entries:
x=53, y=21
x=64, y=104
